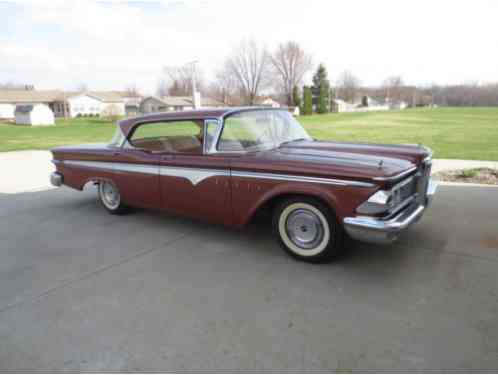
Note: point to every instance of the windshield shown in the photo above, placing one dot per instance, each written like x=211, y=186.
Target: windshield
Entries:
x=260, y=129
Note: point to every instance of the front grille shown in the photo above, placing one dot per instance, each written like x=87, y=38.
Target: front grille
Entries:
x=424, y=173
x=404, y=190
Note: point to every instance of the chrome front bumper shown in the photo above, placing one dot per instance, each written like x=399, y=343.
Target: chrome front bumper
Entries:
x=56, y=179
x=375, y=230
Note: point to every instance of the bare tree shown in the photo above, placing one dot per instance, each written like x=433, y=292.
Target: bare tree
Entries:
x=9, y=85
x=112, y=113
x=347, y=86
x=162, y=88
x=82, y=87
x=224, y=87
x=393, y=88
x=250, y=66
x=290, y=63
x=132, y=91
x=180, y=79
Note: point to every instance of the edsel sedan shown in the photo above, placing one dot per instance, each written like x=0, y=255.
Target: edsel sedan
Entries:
x=225, y=165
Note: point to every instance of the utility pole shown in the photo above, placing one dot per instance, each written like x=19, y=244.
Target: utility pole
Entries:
x=196, y=97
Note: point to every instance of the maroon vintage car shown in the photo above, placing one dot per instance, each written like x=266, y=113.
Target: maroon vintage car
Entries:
x=223, y=165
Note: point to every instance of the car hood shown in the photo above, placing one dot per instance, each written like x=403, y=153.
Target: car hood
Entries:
x=349, y=160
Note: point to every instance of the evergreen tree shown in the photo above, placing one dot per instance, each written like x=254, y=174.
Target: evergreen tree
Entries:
x=321, y=89
x=323, y=99
x=308, y=101
x=296, y=99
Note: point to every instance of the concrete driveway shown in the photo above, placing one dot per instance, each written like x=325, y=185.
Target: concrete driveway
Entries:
x=83, y=290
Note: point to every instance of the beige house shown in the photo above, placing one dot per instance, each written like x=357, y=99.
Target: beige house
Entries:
x=153, y=104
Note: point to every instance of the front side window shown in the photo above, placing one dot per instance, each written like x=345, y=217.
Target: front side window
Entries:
x=260, y=129
x=169, y=136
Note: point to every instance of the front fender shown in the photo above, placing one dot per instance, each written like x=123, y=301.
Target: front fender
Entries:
x=343, y=200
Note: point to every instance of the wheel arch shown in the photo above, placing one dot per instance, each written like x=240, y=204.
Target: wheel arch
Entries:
x=271, y=198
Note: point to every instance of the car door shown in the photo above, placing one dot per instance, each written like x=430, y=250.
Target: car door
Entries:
x=191, y=181
x=136, y=172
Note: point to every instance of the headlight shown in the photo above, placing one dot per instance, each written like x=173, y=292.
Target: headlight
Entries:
x=380, y=202
x=389, y=200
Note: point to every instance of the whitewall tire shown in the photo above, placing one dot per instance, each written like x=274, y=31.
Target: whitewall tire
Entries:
x=307, y=229
x=110, y=198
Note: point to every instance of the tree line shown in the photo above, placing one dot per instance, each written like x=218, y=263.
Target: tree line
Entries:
x=251, y=70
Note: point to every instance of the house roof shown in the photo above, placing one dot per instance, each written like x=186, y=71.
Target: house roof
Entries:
x=30, y=96
x=48, y=96
x=185, y=101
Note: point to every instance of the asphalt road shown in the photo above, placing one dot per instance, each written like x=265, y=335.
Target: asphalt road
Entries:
x=84, y=290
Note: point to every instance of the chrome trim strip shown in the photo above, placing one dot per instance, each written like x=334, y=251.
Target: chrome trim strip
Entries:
x=90, y=164
x=397, y=176
x=136, y=168
x=293, y=178
x=196, y=175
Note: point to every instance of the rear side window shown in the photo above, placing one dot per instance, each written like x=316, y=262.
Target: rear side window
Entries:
x=170, y=136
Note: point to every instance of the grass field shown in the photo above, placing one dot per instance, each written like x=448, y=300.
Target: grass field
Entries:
x=454, y=133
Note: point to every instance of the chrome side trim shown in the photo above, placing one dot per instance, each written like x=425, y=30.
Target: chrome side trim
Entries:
x=90, y=164
x=194, y=175
x=397, y=176
x=293, y=178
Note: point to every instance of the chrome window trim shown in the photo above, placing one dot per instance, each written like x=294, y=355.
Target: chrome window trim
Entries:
x=222, y=119
x=212, y=149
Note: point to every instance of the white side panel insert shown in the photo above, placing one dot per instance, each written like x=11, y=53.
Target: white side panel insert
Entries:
x=194, y=175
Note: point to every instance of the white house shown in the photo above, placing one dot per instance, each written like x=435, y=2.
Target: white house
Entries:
x=34, y=114
x=7, y=110
x=96, y=104
x=339, y=105
x=270, y=102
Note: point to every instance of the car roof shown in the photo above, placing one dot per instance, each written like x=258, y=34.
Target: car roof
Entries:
x=197, y=114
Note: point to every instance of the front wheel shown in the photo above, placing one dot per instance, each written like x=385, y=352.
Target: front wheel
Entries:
x=307, y=229
x=111, y=198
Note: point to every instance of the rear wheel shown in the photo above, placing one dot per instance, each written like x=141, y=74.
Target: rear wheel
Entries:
x=111, y=198
x=307, y=229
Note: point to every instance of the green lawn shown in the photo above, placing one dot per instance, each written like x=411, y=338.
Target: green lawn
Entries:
x=458, y=133
x=65, y=132
x=453, y=133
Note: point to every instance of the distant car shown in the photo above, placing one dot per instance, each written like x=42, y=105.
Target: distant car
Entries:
x=224, y=165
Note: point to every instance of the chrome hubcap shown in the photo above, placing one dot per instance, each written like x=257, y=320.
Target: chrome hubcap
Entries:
x=110, y=195
x=304, y=228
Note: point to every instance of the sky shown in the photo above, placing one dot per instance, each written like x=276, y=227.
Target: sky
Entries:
x=110, y=45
